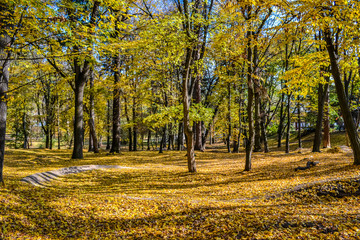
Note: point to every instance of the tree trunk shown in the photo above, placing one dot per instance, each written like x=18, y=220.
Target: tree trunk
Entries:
x=81, y=77
x=91, y=148
x=250, y=107
x=180, y=137
x=148, y=140
x=135, y=125
x=319, y=120
x=163, y=140
x=115, y=145
x=108, y=126
x=281, y=123
x=257, y=145
x=197, y=100
x=228, y=139
x=287, y=145
x=186, y=110
x=237, y=142
x=79, y=118
x=4, y=81
x=326, y=136
x=263, y=133
x=95, y=142
x=345, y=109
x=299, y=124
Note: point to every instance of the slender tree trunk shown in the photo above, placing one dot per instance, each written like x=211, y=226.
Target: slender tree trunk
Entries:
x=130, y=137
x=163, y=140
x=281, y=123
x=24, y=130
x=95, y=142
x=115, y=145
x=51, y=138
x=108, y=126
x=180, y=137
x=91, y=148
x=237, y=144
x=186, y=110
x=250, y=107
x=135, y=125
x=47, y=138
x=58, y=126
x=345, y=109
x=197, y=100
x=257, y=145
x=299, y=124
x=263, y=133
x=228, y=139
x=319, y=120
x=287, y=145
x=149, y=140
x=326, y=136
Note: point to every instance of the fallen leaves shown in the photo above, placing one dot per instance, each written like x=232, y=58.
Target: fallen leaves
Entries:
x=159, y=200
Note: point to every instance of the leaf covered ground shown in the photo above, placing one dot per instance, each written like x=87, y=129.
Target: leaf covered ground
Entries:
x=158, y=199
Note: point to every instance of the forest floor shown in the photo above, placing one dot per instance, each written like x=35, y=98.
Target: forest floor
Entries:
x=156, y=198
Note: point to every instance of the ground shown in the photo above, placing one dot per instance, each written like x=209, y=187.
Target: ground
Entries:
x=157, y=199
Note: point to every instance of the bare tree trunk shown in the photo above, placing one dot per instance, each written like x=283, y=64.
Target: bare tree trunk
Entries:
x=263, y=133
x=130, y=137
x=237, y=142
x=149, y=140
x=5, y=41
x=186, y=109
x=281, y=123
x=345, y=109
x=197, y=100
x=326, y=136
x=299, y=124
x=319, y=120
x=115, y=144
x=287, y=145
x=81, y=77
x=108, y=126
x=135, y=126
x=163, y=140
x=180, y=137
x=250, y=107
x=228, y=139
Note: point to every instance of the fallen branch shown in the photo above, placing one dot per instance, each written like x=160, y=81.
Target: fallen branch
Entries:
x=309, y=164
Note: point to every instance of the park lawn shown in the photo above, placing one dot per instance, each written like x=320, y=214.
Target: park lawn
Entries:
x=158, y=199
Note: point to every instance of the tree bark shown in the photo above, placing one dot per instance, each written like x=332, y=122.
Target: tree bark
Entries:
x=287, y=145
x=345, y=109
x=281, y=121
x=135, y=125
x=80, y=81
x=250, y=107
x=197, y=100
x=108, y=126
x=228, y=139
x=4, y=81
x=148, y=139
x=326, y=123
x=180, y=137
x=115, y=145
x=186, y=110
x=81, y=77
x=299, y=124
x=319, y=120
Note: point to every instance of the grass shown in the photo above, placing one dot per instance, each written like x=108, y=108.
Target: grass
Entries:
x=158, y=199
